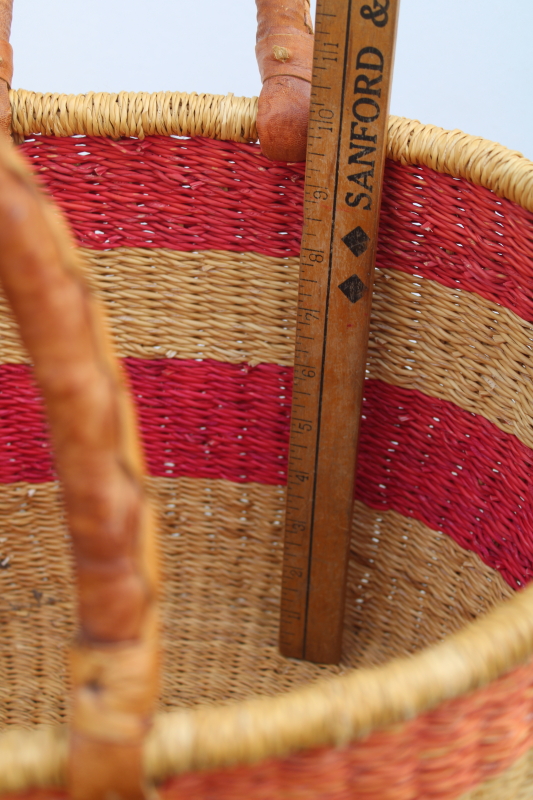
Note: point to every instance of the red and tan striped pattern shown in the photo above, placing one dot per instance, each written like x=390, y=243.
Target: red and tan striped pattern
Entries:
x=458, y=746
x=494, y=752
x=222, y=421
x=193, y=246
x=214, y=533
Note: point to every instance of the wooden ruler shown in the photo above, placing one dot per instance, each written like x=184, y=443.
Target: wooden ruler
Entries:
x=353, y=57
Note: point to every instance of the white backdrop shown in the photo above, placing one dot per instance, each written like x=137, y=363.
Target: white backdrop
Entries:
x=459, y=64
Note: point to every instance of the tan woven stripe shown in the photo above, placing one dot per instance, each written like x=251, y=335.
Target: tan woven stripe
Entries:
x=135, y=114
x=408, y=587
x=140, y=114
x=453, y=345
x=516, y=783
x=235, y=307
x=505, y=172
x=241, y=307
x=213, y=304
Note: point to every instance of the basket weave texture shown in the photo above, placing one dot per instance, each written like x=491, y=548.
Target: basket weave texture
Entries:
x=193, y=246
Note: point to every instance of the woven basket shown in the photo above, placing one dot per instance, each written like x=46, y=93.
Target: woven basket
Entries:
x=192, y=245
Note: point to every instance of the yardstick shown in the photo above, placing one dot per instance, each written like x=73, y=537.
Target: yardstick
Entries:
x=352, y=71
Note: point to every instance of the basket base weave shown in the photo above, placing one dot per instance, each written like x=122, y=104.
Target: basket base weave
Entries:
x=408, y=587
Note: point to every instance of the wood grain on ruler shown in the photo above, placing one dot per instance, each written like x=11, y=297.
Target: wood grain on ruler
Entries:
x=353, y=57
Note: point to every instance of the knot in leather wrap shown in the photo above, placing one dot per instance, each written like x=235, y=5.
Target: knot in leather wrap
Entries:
x=285, y=54
x=117, y=685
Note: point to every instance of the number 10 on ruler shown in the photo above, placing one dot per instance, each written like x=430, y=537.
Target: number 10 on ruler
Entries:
x=354, y=44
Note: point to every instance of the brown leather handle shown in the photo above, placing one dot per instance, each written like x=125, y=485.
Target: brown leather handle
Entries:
x=284, y=53
x=6, y=65
x=99, y=462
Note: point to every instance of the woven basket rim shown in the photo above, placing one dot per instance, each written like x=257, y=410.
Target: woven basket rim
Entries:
x=336, y=710
x=485, y=163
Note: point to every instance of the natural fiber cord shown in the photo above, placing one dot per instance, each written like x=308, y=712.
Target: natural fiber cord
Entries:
x=240, y=308
x=484, y=163
x=193, y=245
x=135, y=114
x=389, y=551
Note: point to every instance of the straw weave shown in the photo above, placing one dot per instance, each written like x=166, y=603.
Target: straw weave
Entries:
x=238, y=308
x=513, y=782
x=193, y=246
x=516, y=782
x=135, y=114
x=213, y=534
x=488, y=164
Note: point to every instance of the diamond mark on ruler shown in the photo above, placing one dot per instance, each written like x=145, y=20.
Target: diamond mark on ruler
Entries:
x=357, y=241
x=353, y=288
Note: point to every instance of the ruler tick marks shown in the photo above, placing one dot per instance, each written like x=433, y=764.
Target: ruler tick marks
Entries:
x=345, y=47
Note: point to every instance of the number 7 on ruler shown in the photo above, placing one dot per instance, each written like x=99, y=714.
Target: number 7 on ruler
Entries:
x=353, y=57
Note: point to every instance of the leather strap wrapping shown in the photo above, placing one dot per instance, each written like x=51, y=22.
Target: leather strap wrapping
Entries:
x=285, y=56
x=6, y=65
x=99, y=462
x=6, y=62
x=6, y=15
x=111, y=715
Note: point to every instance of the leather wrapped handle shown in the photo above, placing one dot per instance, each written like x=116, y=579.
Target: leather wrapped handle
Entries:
x=6, y=65
x=100, y=465
x=284, y=53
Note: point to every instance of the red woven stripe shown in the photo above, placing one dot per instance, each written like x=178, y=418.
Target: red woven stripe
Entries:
x=208, y=419
x=452, y=470
x=202, y=194
x=438, y=755
x=458, y=234
x=24, y=447
x=205, y=419
x=184, y=194
x=422, y=457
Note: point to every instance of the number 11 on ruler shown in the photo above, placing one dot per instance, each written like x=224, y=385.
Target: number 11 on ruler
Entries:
x=353, y=56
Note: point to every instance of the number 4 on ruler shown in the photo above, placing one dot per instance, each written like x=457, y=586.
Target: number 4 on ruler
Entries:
x=353, y=57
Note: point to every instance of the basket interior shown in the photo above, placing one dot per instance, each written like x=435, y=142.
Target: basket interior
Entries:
x=192, y=245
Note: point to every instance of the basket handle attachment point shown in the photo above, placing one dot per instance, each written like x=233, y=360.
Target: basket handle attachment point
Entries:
x=284, y=54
